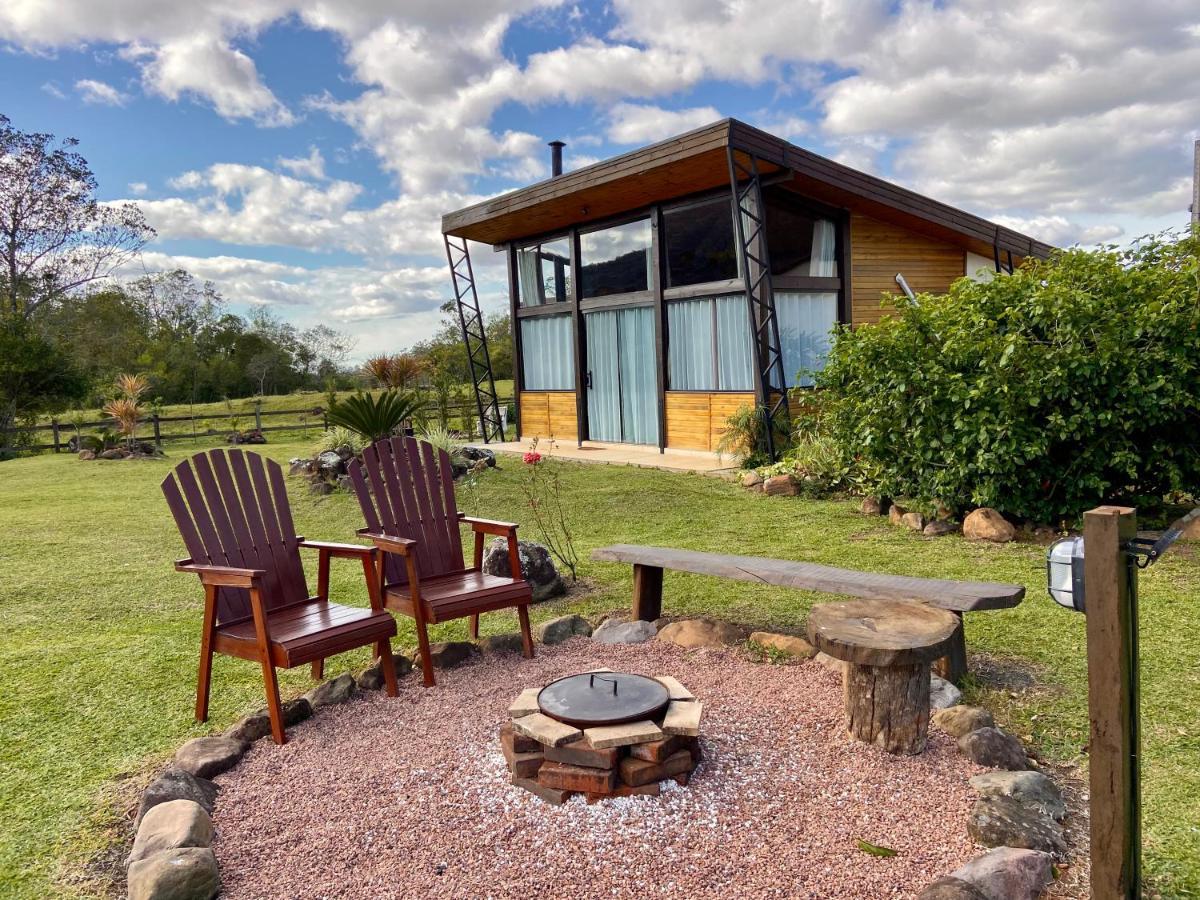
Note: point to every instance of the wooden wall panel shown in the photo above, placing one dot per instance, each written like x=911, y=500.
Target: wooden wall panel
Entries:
x=878, y=250
x=548, y=414
x=696, y=421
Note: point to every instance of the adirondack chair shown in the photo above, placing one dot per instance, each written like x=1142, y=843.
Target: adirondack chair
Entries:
x=232, y=511
x=406, y=491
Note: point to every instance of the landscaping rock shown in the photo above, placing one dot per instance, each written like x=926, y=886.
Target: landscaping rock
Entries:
x=563, y=628
x=614, y=631
x=951, y=888
x=985, y=524
x=1009, y=873
x=833, y=664
x=785, y=643
x=780, y=486
x=335, y=690
x=501, y=643
x=189, y=873
x=993, y=748
x=87, y=455
x=321, y=488
x=299, y=466
x=448, y=654
x=176, y=784
x=701, y=634
x=942, y=694
x=371, y=678
x=205, y=757
x=331, y=464
x=1007, y=822
x=939, y=528
x=113, y=454
x=171, y=825
x=751, y=479
x=258, y=725
x=896, y=514
x=960, y=720
x=537, y=567
x=1030, y=788
x=913, y=521
x=480, y=454
x=871, y=506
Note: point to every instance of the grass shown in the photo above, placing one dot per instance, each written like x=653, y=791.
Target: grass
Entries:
x=100, y=635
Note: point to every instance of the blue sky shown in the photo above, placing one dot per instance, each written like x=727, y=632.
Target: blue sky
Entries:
x=299, y=152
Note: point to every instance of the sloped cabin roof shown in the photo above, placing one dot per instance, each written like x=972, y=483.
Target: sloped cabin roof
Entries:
x=698, y=161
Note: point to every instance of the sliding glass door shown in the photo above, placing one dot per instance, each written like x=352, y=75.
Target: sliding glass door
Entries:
x=622, y=389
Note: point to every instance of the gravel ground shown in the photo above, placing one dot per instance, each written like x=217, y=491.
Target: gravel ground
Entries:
x=410, y=797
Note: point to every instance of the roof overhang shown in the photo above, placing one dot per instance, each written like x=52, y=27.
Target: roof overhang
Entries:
x=698, y=161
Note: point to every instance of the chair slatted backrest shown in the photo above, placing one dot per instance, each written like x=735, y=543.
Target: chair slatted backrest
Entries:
x=232, y=510
x=406, y=488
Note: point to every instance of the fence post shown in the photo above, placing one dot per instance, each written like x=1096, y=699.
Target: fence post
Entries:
x=54, y=426
x=258, y=415
x=1111, y=607
x=324, y=421
x=157, y=432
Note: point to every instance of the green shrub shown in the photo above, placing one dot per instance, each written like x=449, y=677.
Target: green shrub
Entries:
x=374, y=417
x=444, y=439
x=1073, y=381
x=340, y=437
x=744, y=438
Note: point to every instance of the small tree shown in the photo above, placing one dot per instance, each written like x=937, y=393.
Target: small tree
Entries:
x=126, y=406
x=35, y=378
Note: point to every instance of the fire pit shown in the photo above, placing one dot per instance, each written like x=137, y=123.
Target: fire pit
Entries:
x=602, y=734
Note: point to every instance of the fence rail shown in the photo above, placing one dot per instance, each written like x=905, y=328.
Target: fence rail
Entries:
x=153, y=425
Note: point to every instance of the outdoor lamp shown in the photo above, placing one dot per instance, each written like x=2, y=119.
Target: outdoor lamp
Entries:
x=1064, y=572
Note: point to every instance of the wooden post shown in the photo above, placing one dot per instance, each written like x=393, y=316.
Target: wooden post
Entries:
x=1111, y=608
x=647, y=592
x=157, y=431
x=258, y=415
x=54, y=428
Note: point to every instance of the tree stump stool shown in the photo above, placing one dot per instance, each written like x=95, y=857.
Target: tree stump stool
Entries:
x=887, y=646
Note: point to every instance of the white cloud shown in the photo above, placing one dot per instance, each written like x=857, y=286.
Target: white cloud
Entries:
x=138, y=188
x=54, y=90
x=99, y=93
x=1061, y=232
x=634, y=123
x=311, y=166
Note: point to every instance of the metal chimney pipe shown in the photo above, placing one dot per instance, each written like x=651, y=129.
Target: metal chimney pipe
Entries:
x=556, y=148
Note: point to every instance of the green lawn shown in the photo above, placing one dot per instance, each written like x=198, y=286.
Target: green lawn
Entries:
x=100, y=635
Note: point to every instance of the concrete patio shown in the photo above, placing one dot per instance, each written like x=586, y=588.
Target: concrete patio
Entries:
x=628, y=455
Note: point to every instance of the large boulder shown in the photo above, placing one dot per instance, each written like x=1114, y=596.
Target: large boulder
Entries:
x=993, y=748
x=537, y=567
x=1007, y=822
x=951, y=888
x=960, y=720
x=872, y=506
x=205, y=757
x=188, y=873
x=1009, y=873
x=939, y=528
x=1031, y=788
x=331, y=464
x=986, y=524
x=176, y=784
x=171, y=825
x=335, y=690
x=914, y=521
x=510, y=642
x=780, y=486
x=614, y=631
x=258, y=725
x=701, y=634
x=563, y=628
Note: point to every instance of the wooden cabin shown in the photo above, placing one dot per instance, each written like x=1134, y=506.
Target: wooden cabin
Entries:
x=656, y=292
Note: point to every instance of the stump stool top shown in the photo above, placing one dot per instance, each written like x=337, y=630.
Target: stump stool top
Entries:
x=882, y=632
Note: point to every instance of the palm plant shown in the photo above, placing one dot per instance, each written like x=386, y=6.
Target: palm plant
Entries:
x=127, y=412
x=394, y=371
x=375, y=417
x=131, y=387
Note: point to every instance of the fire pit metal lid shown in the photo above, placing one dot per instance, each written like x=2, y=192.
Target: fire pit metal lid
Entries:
x=603, y=698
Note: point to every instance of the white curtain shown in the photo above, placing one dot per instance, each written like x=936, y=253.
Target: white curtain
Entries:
x=823, y=263
x=639, y=383
x=806, y=320
x=547, y=353
x=690, y=345
x=735, y=349
x=529, y=274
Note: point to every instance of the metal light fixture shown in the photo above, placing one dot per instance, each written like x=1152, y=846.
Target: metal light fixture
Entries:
x=1064, y=573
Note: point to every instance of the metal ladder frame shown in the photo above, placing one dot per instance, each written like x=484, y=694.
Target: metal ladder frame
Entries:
x=474, y=332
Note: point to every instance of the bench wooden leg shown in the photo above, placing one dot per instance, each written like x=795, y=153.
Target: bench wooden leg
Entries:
x=953, y=666
x=647, y=592
x=888, y=706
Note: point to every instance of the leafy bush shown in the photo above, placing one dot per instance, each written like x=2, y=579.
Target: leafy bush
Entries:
x=340, y=437
x=1073, y=381
x=374, y=417
x=444, y=439
x=744, y=440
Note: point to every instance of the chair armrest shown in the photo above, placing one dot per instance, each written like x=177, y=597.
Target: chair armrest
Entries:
x=490, y=526
x=221, y=576
x=390, y=543
x=340, y=551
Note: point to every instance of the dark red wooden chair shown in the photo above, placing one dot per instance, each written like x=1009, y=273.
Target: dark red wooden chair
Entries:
x=406, y=490
x=232, y=511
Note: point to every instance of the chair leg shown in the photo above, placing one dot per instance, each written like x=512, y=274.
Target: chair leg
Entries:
x=274, y=707
x=318, y=669
x=526, y=635
x=423, y=647
x=203, y=683
x=383, y=650
x=475, y=627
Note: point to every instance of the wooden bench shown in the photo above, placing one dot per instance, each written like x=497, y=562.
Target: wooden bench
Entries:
x=957, y=597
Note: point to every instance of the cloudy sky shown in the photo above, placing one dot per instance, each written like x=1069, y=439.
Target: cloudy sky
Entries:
x=300, y=152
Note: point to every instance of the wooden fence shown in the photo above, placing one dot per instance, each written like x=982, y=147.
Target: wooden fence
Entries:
x=151, y=428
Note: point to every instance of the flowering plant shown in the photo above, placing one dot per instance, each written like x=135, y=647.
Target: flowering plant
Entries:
x=532, y=458
x=543, y=494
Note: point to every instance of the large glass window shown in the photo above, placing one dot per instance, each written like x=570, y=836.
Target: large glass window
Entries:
x=699, y=243
x=544, y=273
x=616, y=260
x=709, y=344
x=547, y=353
x=799, y=243
x=806, y=321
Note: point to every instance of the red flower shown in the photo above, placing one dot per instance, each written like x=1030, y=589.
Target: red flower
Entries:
x=533, y=458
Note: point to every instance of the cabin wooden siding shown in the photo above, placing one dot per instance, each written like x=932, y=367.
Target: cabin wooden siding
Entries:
x=880, y=250
x=548, y=414
x=696, y=420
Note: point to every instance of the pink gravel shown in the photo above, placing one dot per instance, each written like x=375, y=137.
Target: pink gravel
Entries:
x=410, y=797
